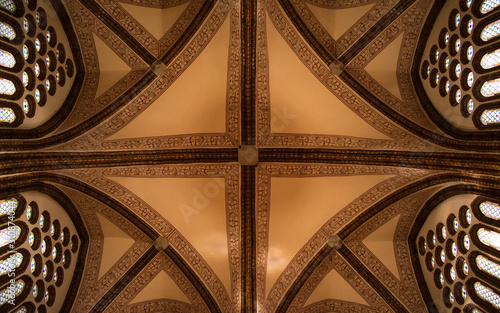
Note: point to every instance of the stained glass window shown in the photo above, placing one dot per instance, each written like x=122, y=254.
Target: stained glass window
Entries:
x=62, y=236
x=42, y=221
x=470, y=52
x=454, y=249
x=452, y=298
x=26, y=106
x=22, y=310
x=11, y=292
x=491, y=210
x=47, y=296
x=31, y=239
x=488, y=5
x=37, y=69
x=443, y=231
x=26, y=52
x=29, y=211
x=26, y=25
x=35, y=291
x=437, y=55
x=470, y=26
x=447, y=38
x=11, y=263
x=458, y=96
x=54, y=252
x=487, y=294
x=37, y=45
x=45, y=270
x=452, y=274
x=443, y=256
x=447, y=63
x=7, y=206
x=441, y=278
x=470, y=79
x=465, y=268
x=488, y=266
x=457, y=19
x=7, y=87
x=7, y=115
x=437, y=79
x=468, y=216
x=470, y=106
x=491, y=31
x=47, y=61
x=26, y=79
x=458, y=69
x=55, y=277
x=466, y=242
x=9, y=5
x=490, y=60
x=7, y=59
x=7, y=31
x=489, y=238
x=33, y=265
x=447, y=87
x=48, y=36
x=47, y=84
x=37, y=95
x=464, y=292
x=8, y=235
x=43, y=247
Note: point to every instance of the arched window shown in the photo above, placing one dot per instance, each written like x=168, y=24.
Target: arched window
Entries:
x=9, y=5
x=488, y=266
x=488, y=5
x=7, y=87
x=9, y=235
x=489, y=238
x=10, y=263
x=491, y=31
x=8, y=206
x=7, y=59
x=11, y=292
x=490, y=209
x=490, y=117
x=491, y=60
x=487, y=294
x=7, y=31
x=460, y=247
x=7, y=115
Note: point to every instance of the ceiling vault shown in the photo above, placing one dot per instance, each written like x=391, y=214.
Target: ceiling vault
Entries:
x=399, y=157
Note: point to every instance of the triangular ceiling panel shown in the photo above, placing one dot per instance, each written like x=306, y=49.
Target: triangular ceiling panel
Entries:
x=383, y=68
x=116, y=243
x=381, y=244
x=195, y=102
x=310, y=106
x=156, y=21
x=338, y=21
x=334, y=286
x=111, y=67
x=315, y=200
x=199, y=217
x=161, y=287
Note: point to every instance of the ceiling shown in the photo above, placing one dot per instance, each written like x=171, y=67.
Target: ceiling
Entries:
x=221, y=126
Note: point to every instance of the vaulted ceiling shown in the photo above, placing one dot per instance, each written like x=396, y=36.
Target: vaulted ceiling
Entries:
x=280, y=147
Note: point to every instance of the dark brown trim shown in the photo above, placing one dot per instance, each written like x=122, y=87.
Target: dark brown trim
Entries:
x=472, y=162
x=77, y=130
x=372, y=280
x=308, y=35
x=189, y=32
x=10, y=184
x=248, y=70
x=478, y=243
x=17, y=57
x=118, y=287
x=193, y=279
x=43, y=161
x=394, y=13
x=483, y=304
x=18, y=112
x=248, y=239
x=19, y=38
x=303, y=277
x=478, y=29
x=118, y=29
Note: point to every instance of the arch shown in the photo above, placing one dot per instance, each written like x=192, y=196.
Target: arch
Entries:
x=11, y=30
x=10, y=86
x=11, y=108
x=16, y=60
